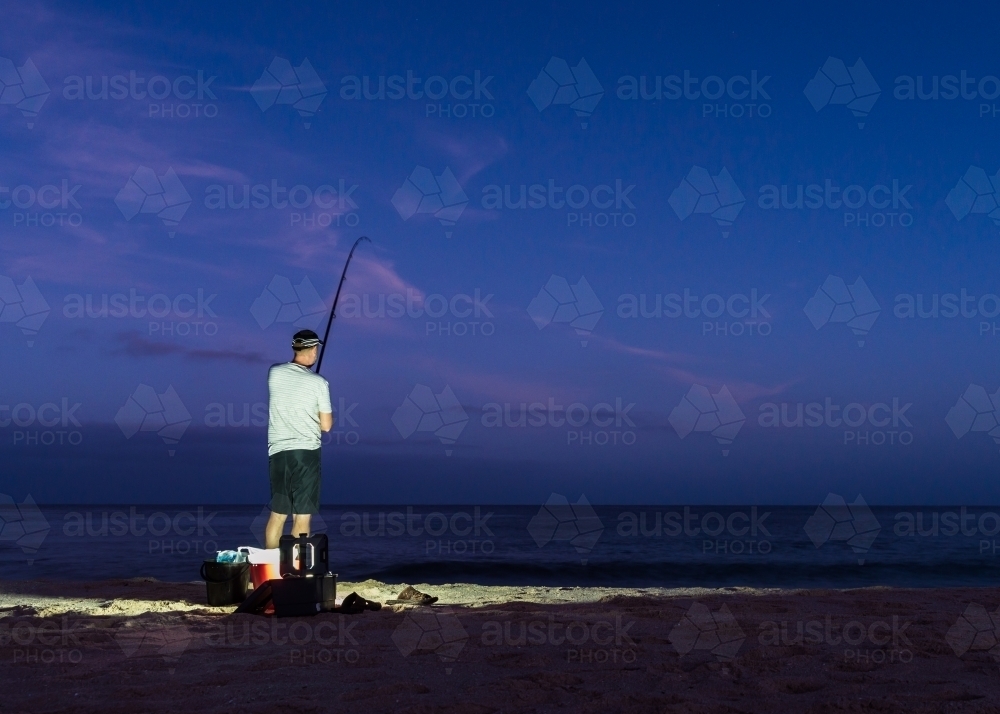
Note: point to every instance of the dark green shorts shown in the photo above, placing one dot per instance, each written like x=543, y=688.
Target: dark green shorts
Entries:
x=295, y=479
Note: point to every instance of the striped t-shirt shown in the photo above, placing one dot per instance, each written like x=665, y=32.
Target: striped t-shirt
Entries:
x=297, y=395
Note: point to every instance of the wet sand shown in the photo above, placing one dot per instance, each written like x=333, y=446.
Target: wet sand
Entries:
x=148, y=646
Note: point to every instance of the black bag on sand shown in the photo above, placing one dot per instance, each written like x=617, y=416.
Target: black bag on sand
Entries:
x=227, y=583
x=298, y=597
x=257, y=601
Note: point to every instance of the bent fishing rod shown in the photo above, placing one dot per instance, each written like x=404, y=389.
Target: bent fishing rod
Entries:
x=336, y=299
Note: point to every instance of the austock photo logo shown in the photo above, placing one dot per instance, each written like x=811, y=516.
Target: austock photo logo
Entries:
x=22, y=525
x=560, y=84
x=423, y=411
x=175, y=168
x=456, y=310
x=861, y=640
x=437, y=631
x=836, y=520
x=234, y=415
x=601, y=638
x=700, y=192
x=58, y=203
x=178, y=93
x=950, y=306
x=43, y=425
x=836, y=302
x=717, y=633
x=435, y=88
x=733, y=527
x=977, y=193
x=559, y=302
x=559, y=520
x=145, y=410
x=423, y=192
x=23, y=88
x=153, y=639
x=345, y=428
x=180, y=315
x=614, y=207
x=951, y=87
x=231, y=414
x=424, y=530
x=163, y=195
x=958, y=523
x=862, y=207
x=51, y=641
x=300, y=87
x=736, y=308
x=891, y=425
x=23, y=306
x=177, y=534
x=701, y=411
x=734, y=92
x=837, y=84
x=977, y=411
x=324, y=206
x=283, y=303
x=301, y=642
x=614, y=426
x=976, y=630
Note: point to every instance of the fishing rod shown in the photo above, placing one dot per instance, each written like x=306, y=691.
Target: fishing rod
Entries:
x=336, y=298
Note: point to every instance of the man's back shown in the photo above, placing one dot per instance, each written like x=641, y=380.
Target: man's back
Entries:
x=296, y=397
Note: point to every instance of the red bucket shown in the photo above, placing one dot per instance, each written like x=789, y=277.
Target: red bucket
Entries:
x=264, y=564
x=260, y=574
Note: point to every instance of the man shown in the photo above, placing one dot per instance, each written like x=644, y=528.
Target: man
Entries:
x=298, y=411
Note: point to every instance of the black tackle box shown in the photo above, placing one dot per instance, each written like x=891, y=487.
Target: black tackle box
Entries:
x=303, y=596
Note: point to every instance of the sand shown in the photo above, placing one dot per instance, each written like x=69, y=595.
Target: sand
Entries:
x=148, y=646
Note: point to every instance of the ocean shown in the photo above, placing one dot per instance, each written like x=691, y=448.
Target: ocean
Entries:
x=834, y=546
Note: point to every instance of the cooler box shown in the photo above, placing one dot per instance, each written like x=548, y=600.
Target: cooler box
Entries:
x=299, y=597
x=265, y=564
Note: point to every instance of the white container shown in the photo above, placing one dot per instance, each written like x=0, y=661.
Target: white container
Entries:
x=261, y=556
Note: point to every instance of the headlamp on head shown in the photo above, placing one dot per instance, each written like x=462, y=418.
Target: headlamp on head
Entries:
x=304, y=340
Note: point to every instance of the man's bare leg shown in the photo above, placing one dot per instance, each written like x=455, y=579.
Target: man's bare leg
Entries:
x=275, y=525
x=300, y=524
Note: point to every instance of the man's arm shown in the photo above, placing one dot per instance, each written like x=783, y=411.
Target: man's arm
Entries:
x=325, y=407
x=325, y=421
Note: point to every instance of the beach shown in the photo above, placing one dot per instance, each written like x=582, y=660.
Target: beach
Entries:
x=144, y=645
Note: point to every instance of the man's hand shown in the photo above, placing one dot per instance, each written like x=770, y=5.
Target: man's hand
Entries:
x=325, y=421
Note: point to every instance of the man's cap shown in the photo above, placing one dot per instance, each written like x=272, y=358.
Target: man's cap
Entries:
x=304, y=339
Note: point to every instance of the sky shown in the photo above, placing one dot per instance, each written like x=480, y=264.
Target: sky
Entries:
x=661, y=306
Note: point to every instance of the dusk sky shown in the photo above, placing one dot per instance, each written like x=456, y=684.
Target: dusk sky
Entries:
x=665, y=151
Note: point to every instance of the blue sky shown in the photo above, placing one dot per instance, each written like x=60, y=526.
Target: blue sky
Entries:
x=222, y=130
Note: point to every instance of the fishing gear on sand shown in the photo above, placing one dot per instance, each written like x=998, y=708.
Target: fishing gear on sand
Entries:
x=336, y=298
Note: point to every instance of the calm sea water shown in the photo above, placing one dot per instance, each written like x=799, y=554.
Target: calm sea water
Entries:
x=634, y=546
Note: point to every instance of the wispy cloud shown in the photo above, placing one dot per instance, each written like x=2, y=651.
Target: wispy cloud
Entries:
x=614, y=345
x=686, y=368
x=134, y=344
x=743, y=390
x=470, y=156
